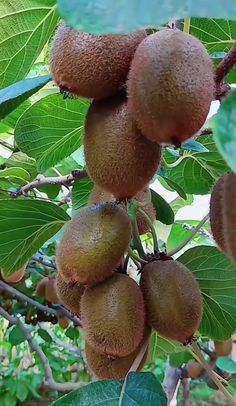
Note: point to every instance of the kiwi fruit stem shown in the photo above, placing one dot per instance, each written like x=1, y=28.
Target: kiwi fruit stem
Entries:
x=187, y=22
x=140, y=355
x=136, y=258
x=153, y=231
x=198, y=355
x=136, y=238
x=189, y=237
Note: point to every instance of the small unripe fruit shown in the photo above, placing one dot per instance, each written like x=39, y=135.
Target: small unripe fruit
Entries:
x=69, y=294
x=223, y=348
x=51, y=292
x=63, y=322
x=41, y=287
x=194, y=369
x=16, y=276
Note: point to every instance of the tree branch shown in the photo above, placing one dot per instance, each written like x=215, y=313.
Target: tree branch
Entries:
x=171, y=381
x=56, y=309
x=49, y=380
x=222, y=70
x=186, y=389
x=66, y=180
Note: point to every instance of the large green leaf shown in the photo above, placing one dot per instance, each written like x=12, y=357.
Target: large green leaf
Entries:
x=101, y=17
x=164, y=212
x=218, y=35
x=25, y=225
x=16, y=336
x=12, y=96
x=182, y=230
x=51, y=129
x=225, y=130
x=138, y=389
x=162, y=346
x=217, y=279
x=80, y=192
x=196, y=172
x=21, y=160
x=25, y=27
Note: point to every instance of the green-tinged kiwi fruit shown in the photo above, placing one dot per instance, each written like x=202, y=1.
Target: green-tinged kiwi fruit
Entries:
x=118, y=158
x=41, y=287
x=51, y=291
x=99, y=195
x=16, y=276
x=113, y=316
x=144, y=197
x=69, y=294
x=223, y=349
x=170, y=86
x=92, y=66
x=106, y=367
x=173, y=299
x=93, y=244
x=63, y=322
x=194, y=369
x=222, y=214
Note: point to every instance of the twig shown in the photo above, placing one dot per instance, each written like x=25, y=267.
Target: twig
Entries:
x=186, y=391
x=136, y=238
x=153, y=231
x=171, y=381
x=205, y=131
x=226, y=65
x=140, y=355
x=136, y=257
x=56, y=309
x=187, y=23
x=7, y=145
x=49, y=380
x=66, y=180
x=41, y=260
x=69, y=347
x=189, y=237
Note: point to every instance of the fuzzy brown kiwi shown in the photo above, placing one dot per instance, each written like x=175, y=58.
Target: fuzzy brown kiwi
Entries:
x=118, y=158
x=63, y=322
x=194, y=369
x=113, y=316
x=222, y=214
x=51, y=292
x=92, y=66
x=93, y=244
x=223, y=348
x=170, y=86
x=107, y=367
x=69, y=294
x=16, y=276
x=144, y=197
x=173, y=299
x=41, y=287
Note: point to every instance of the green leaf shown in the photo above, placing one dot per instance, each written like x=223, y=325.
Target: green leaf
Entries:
x=16, y=336
x=174, y=186
x=80, y=192
x=25, y=28
x=181, y=230
x=216, y=276
x=102, y=18
x=226, y=364
x=15, y=173
x=14, y=95
x=51, y=191
x=218, y=35
x=164, y=212
x=138, y=389
x=21, y=391
x=162, y=346
x=225, y=130
x=25, y=226
x=178, y=203
x=8, y=400
x=51, y=129
x=21, y=160
x=44, y=335
x=180, y=358
x=194, y=146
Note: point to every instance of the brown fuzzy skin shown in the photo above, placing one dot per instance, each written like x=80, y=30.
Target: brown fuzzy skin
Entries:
x=118, y=158
x=16, y=277
x=93, y=244
x=105, y=367
x=223, y=349
x=63, y=322
x=41, y=287
x=51, y=292
x=170, y=86
x=113, y=316
x=223, y=214
x=194, y=369
x=92, y=66
x=69, y=294
x=98, y=195
x=173, y=299
x=144, y=197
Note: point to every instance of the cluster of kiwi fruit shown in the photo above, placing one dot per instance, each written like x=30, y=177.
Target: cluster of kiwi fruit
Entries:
x=145, y=91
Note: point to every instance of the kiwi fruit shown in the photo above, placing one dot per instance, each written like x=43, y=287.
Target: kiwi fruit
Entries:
x=41, y=287
x=222, y=214
x=173, y=299
x=98, y=195
x=63, y=322
x=93, y=244
x=92, y=66
x=69, y=294
x=51, y=292
x=113, y=316
x=170, y=86
x=106, y=367
x=15, y=277
x=194, y=369
x=118, y=158
x=144, y=197
x=223, y=349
